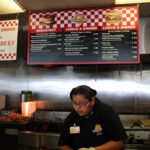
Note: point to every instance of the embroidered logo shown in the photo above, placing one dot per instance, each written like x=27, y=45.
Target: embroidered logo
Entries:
x=98, y=129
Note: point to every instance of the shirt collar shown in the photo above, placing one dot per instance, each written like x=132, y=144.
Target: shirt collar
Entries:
x=89, y=115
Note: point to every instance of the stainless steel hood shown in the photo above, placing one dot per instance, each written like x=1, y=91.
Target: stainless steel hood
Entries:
x=144, y=40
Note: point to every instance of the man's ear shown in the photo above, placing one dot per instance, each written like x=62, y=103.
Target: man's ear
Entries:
x=93, y=100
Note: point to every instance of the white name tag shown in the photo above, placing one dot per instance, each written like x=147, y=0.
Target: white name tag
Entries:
x=74, y=130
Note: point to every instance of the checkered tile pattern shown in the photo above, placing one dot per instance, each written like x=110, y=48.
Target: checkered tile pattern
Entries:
x=7, y=56
x=95, y=17
x=8, y=23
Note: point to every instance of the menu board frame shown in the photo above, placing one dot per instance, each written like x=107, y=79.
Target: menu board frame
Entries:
x=84, y=36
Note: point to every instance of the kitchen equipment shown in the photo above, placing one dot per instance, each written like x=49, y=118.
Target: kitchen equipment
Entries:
x=2, y=101
x=138, y=134
x=26, y=96
x=28, y=108
x=38, y=140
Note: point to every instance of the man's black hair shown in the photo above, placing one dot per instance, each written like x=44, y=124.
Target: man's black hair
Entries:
x=83, y=90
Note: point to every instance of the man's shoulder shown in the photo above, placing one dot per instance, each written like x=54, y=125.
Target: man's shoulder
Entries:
x=102, y=106
x=71, y=116
x=104, y=109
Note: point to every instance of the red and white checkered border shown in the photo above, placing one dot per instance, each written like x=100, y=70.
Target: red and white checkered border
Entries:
x=9, y=23
x=7, y=56
x=96, y=17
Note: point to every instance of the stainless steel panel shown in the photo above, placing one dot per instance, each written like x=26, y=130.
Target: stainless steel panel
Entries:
x=51, y=116
x=143, y=90
x=29, y=139
x=13, y=79
x=38, y=140
x=50, y=141
x=136, y=147
x=125, y=88
x=144, y=25
x=119, y=87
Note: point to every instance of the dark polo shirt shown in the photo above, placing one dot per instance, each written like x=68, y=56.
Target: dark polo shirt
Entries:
x=101, y=126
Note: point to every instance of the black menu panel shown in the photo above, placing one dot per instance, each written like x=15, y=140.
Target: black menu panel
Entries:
x=119, y=45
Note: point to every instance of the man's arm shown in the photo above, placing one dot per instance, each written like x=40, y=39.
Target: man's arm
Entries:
x=111, y=145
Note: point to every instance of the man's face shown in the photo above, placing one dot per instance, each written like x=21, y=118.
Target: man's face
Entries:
x=82, y=105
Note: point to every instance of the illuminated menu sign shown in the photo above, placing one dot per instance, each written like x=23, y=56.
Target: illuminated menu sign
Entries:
x=84, y=36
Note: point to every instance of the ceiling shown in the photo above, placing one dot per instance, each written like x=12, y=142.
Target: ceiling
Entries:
x=63, y=4
x=44, y=5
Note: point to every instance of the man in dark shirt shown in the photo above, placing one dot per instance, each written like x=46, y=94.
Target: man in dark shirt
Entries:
x=92, y=125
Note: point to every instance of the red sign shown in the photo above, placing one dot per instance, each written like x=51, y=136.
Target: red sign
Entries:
x=8, y=39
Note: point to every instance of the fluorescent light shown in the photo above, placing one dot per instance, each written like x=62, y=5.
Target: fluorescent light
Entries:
x=131, y=1
x=13, y=4
x=10, y=6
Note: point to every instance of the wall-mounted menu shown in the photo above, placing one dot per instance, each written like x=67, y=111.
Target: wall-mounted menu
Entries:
x=84, y=36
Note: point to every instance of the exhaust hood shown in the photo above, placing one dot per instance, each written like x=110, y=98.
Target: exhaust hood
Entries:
x=144, y=37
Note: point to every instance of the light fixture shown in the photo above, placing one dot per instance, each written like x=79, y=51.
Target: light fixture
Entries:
x=131, y=1
x=10, y=6
x=28, y=108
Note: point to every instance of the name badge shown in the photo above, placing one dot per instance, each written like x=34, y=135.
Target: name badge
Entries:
x=74, y=130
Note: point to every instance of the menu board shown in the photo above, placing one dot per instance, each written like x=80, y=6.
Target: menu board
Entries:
x=84, y=36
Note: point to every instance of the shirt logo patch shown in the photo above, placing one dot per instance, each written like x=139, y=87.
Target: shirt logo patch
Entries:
x=98, y=129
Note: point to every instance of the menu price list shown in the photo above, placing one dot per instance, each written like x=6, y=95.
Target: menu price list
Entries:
x=46, y=42
x=84, y=46
x=81, y=46
x=119, y=45
x=81, y=43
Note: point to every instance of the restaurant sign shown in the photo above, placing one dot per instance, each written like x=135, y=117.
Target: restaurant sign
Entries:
x=84, y=36
x=8, y=39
